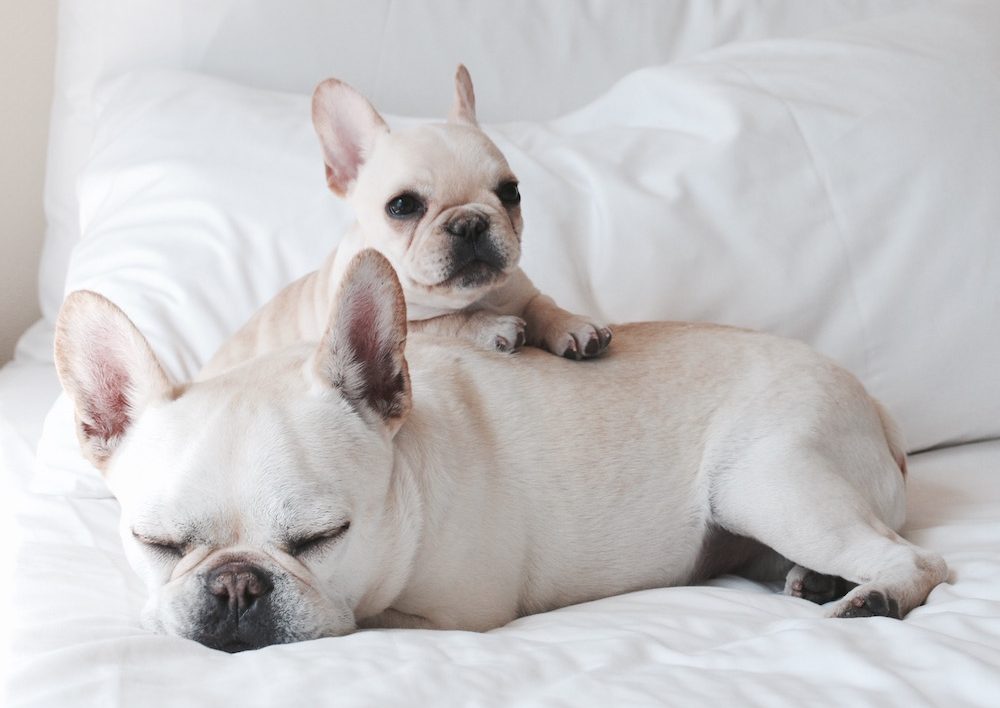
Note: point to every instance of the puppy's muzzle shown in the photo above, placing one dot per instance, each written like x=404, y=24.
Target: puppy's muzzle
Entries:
x=468, y=227
x=475, y=260
x=237, y=613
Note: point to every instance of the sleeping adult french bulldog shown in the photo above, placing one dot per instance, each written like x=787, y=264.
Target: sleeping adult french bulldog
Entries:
x=340, y=484
x=441, y=203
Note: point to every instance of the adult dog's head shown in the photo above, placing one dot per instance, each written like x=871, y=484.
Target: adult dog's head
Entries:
x=260, y=506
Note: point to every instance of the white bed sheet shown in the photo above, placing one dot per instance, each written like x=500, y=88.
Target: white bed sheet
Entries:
x=77, y=641
x=76, y=637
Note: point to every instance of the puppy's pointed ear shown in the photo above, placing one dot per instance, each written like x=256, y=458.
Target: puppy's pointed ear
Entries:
x=463, y=109
x=108, y=369
x=347, y=126
x=361, y=354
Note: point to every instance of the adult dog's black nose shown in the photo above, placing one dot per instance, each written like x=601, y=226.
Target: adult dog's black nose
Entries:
x=239, y=585
x=468, y=226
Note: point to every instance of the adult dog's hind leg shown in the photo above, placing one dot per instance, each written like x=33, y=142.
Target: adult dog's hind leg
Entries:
x=815, y=587
x=821, y=521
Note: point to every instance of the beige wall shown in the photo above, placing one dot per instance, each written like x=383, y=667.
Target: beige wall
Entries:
x=27, y=51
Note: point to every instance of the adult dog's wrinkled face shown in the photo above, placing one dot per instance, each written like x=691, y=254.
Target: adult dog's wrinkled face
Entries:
x=242, y=526
x=259, y=507
x=439, y=201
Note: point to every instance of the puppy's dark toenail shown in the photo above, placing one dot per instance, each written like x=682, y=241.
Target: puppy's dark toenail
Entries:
x=501, y=344
x=571, y=351
x=593, y=345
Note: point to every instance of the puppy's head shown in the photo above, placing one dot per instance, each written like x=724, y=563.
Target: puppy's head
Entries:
x=438, y=200
x=258, y=506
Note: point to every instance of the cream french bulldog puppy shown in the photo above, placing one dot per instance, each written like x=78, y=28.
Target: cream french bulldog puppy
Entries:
x=330, y=486
x=442, y=204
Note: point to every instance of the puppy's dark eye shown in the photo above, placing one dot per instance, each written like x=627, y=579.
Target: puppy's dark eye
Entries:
x=314, y=543
x=509, y=193
x=162, y=546
x=404, y=206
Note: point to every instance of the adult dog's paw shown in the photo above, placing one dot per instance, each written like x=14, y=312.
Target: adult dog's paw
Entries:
x=815, y=587
x=869, y=603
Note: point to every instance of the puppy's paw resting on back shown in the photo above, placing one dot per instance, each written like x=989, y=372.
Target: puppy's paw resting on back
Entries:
x=575, y=338
x=504, y=333
x=485, y=329
x=563, y=333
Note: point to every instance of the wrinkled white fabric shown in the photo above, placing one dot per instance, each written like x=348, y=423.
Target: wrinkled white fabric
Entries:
x=838, y=187
x=532, y=60
x=77, y=641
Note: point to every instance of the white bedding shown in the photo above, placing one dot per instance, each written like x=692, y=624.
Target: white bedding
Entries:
x=733, y=642
x=533, y=59
x=839, y=187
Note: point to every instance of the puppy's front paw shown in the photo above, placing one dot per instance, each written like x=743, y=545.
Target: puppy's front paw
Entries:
x=576, y=338
x=502, y=333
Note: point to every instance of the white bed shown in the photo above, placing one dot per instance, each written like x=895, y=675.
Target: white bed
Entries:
x=826, y=171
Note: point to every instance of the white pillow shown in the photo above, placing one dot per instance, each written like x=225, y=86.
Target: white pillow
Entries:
x=375, y=45
x=840, y=189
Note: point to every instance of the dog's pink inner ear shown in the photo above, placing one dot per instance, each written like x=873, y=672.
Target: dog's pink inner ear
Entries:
x=344, y=159
x=107, y=412
x=362, y=350
x=347, y=126
x=375, y=352
x=339, y=180
x=107, y=368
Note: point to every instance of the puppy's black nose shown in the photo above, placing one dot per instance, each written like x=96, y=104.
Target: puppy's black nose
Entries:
x=238, y=584
x=468, y=226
